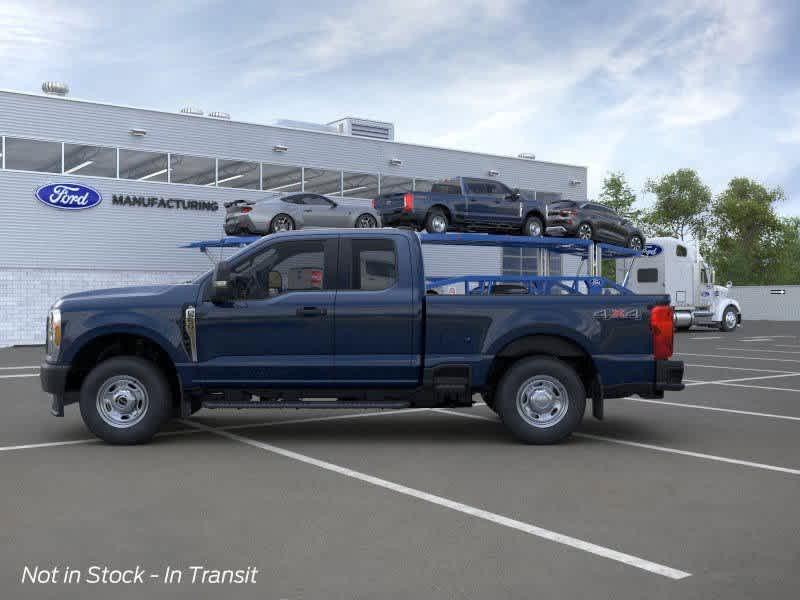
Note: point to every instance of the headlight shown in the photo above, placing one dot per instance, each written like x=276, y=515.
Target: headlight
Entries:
x=53, y=331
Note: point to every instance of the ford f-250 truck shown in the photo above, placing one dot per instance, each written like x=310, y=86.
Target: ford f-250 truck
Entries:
x=341, y=319
x=465, y=204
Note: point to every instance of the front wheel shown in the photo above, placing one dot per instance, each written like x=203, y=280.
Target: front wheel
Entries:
x=730, y=319
x=585, y=231
x=541, y=400
x=125, y=400
x=366, y=221
x=533, y=227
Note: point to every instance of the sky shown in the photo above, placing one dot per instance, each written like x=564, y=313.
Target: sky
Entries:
x=639, y=87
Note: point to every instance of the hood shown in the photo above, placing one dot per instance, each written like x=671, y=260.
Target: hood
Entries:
x=130, y=296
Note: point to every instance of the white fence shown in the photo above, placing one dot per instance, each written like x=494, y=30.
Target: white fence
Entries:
x=768, y=302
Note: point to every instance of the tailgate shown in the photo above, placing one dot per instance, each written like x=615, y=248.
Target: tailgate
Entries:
x=389, y=203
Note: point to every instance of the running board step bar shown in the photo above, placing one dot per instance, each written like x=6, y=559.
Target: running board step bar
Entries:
x=306, y=404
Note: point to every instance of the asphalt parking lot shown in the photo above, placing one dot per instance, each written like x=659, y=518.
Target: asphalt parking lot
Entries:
x=695, y=496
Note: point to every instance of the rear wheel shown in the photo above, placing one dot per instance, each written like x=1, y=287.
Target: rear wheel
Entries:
x=281, y=222
x=585, y=231
x=125, y=400
x=366, y=221
x=541, y=400
x=533, y=227
x=730, y=319
x=635, y=242
x=436, y=222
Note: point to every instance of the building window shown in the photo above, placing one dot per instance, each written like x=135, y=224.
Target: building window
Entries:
x=195, y=170
x=280, y=178
x=396, y=185
x=238, y=174
x=144, y=166
x=33, y=155
x=323, y=181
x=90, y=160
x=524, y=262
x=360, y=185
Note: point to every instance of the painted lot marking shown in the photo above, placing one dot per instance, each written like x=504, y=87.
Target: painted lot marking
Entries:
x=19, y=368
x=721, y=381
x=473, y=511
x=748, y=413
x=791, y=360
x=736, y=368
x=711, y=457
x=786, y=345
x=762, y=350
x=711, y=337
x=693, y=382
x=18, y=375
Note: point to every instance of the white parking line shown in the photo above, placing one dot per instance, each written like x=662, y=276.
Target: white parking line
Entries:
x=473, y=511
x=786, y=345
x=48, y=444
x=762, y=350
x=712, y=457
x=791, y=360
x=762, y=387
x=734, y=411
x=17, y=376
x=721, y=381
x=711, y=337
x=736, y=368
x=19, y=368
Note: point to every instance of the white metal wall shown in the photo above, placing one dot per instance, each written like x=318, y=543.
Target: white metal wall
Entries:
x=768, y=303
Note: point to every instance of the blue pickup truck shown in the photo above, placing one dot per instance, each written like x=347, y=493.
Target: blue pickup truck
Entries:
x=465, y=204
x=342, y=319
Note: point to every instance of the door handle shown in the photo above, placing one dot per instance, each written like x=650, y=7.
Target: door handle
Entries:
x=307, y=210
x=311, y=311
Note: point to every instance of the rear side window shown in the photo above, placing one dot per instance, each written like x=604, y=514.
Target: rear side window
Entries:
x=476, y=188
x=647, y=275
x=445, y=188
x=374, y=265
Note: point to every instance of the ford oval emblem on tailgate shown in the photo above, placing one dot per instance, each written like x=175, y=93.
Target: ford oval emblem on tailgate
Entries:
x=69, y=196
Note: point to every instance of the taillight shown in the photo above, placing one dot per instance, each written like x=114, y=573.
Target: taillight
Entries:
x=569, y=213
x=246, y=209
x=374, y=203
x=663, y=329
x=408, y=202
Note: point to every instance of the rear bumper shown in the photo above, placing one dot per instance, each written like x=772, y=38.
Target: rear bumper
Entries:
x=668, y=377
x=54, y=382
x=400, y=218
x=559, y=227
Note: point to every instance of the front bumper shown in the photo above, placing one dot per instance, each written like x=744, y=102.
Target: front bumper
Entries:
x=54, y=382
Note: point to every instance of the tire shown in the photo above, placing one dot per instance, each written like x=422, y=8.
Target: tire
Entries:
x=281, y=222
x=366, y=221
x=111, y=394
x=488, y=399
x=558, y=411
x=533, y=227
x=730, y=319
x=636, y=242
x=436, y=221
x=585, y=231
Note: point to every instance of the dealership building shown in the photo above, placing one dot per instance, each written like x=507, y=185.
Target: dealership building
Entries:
x=162, y=178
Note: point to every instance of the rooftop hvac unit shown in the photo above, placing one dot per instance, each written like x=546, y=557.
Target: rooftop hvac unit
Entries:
x=55, y=88
x=217, y=114
x=527, y=155
x=303, y=125
x=376, y=130
x=192, y=110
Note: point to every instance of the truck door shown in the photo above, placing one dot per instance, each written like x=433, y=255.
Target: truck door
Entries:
x=504, y=206
x=279, y=332
x=377, y=332
x=319, y=211
x=479, y=203
x=705, y=288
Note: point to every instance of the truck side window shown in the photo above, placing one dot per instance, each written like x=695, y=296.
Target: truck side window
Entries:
x=703, y=276
x=647, y=275
x=476, y=188
x=374, y=265
x=680, y=251
x=282, y=268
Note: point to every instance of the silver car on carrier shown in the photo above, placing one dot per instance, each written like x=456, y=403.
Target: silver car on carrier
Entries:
x=285, y=212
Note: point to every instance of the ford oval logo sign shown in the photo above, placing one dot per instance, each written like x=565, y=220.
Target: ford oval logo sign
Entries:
x=651, y=250
x=68, y=196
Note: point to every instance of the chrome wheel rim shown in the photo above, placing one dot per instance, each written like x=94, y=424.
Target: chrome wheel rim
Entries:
x=730, y=319
x=282, y=223
x=439, y=224
x=585, y=232
x=534, y=228
x=366, y=222
x=636, y=243
x=542, y=401
x=122, y=401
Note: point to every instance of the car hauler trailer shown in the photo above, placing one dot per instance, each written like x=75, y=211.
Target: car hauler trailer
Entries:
x=671, y=266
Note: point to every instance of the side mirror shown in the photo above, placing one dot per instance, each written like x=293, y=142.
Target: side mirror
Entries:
x=729, y=285
x=514, y=195
x=333, y=204
x=222, y=288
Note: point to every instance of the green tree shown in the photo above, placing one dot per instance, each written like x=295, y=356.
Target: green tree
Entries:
x=681, y=205
x=749, y=243
x=618, y=195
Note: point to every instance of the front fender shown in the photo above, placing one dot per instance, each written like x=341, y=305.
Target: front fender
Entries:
x=167, y=336
x=723, y=305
